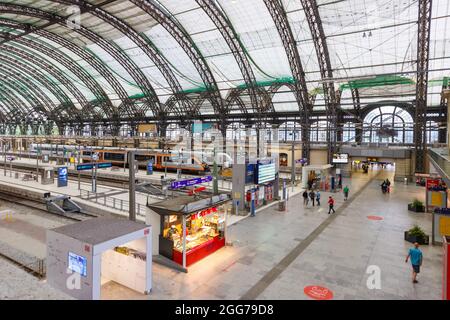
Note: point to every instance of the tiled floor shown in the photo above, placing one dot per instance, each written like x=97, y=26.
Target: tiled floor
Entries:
x=333, y=253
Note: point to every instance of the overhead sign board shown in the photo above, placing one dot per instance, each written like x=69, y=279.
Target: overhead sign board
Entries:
x=340, y=158
x=190, y=182
x=89, y=166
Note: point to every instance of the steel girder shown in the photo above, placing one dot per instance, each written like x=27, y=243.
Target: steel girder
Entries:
x=27, y=95
x=224, y=26
x=83, y=75
x=128, y=64
x=279, y=16
x=40, y=77
x=10, y=96
x=19, y=77
x=423, y=50
x=168, y=22
x=315, y=25
x=44, y=65
x=55, y=72
x=357, y=106
x=143, y=43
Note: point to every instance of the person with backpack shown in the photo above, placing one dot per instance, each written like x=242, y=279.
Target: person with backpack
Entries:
x=312, y=196
x=305, y=198
x=318, y=197
x=331, y=205
x=346, y=191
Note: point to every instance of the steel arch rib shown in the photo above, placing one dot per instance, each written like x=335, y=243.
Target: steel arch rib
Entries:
x=276, y=10
x=7, y=71
x=189, y=47
x=50, y=69
x=142, y=43
x=423, y=52
x=311, y=11
x=228, y=33
x=40, y=77
x=109, y=47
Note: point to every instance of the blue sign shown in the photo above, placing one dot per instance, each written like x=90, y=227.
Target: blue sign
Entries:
x=102, y=165
x=77, y=264
x=89, y=166
x=85, y=166
x=250, y=173
x=190, y=182
x=150, y=167
x=63, y=176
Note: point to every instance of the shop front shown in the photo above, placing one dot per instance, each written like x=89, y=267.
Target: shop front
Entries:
x=191, y=229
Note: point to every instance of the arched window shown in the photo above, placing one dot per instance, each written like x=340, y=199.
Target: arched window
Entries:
x=388, y=124
x=318, y=131
x=235, y=130
x=290, y=131
x=432, y=132
x=349, y=133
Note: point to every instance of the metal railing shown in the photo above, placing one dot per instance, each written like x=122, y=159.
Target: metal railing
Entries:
x=441, y=161
x=111, y=202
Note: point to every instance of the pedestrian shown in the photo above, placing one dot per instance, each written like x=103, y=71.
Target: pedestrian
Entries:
x=318, y=197
x=346, y=191
x=312, y=196
x=388, y=186
x=305, y=198
x=416, y=261
x=331, y=205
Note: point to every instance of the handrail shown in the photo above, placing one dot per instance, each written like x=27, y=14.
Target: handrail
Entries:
x=111, y=202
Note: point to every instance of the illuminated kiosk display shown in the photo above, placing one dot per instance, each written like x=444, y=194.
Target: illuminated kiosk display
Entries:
x=190, y=228
x=84, y=255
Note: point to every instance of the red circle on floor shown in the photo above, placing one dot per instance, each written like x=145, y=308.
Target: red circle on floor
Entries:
x=374, y=218
x=318, y=293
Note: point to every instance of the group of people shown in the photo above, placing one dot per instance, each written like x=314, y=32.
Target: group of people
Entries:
x=386, y=186
x=314, y=196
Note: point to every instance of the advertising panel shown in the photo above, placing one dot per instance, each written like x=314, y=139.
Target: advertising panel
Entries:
x=62, y=177
x=340, y=158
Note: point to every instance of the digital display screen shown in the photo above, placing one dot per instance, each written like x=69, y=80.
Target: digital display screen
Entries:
x=78, y=264
x=266, y=172
x=340, y=158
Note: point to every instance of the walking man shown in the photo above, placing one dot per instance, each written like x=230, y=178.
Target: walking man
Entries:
x=318, y=197
x=346, y=190
x=312, y=196
x=416, y=261
x=305, y=198
x=331, y=205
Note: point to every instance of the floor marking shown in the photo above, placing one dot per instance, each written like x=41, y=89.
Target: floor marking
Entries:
x=318, y=293
x=270, y=276
x=375, y=218
x=229, y=266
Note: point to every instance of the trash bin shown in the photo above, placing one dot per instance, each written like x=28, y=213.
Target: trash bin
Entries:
x=282, y=205
x=16, y=175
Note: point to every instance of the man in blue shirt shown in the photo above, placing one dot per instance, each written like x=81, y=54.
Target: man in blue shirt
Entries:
x=416, y=260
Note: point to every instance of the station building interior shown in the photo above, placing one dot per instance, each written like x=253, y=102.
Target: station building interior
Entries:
x=191, y=149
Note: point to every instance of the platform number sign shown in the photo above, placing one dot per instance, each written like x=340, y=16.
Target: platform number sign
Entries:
x=63, y=177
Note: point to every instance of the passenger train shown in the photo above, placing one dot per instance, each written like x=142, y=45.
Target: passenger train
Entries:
x=188, y=161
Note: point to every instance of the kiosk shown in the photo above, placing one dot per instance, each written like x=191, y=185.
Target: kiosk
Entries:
x=190, y=228
x=318, y=174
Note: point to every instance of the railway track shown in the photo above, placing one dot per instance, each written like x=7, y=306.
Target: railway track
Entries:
x=75, y=216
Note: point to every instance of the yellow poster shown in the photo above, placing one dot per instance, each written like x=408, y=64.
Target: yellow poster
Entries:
x=444, y=226
x=72, y=160
x=436, y=199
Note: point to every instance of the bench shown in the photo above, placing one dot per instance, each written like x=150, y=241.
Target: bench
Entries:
x=28, y=177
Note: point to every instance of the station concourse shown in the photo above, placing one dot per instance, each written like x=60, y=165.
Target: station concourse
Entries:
x=203, y=150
